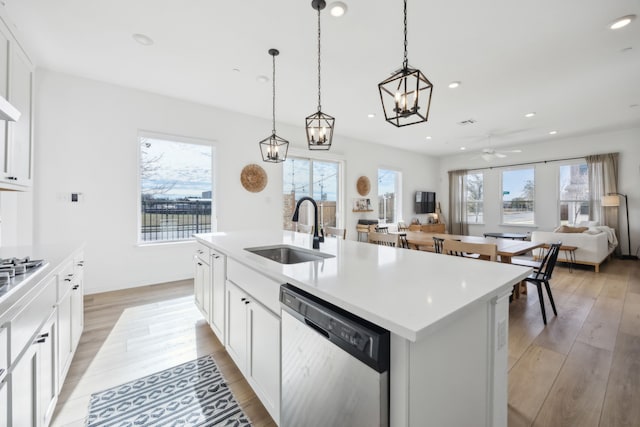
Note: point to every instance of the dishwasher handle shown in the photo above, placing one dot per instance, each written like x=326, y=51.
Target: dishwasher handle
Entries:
x=317, y=328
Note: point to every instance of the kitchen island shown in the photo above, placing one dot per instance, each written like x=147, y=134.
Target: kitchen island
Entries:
x=448, y=317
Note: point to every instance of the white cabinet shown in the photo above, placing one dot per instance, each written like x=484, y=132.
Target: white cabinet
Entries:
x=16, y=138
x=24, y=394
x=4, y=402
x=201, y=283
x=70, y=305
x=253, y=342
x=218, y=277
x=47, y=389
x=77, y=302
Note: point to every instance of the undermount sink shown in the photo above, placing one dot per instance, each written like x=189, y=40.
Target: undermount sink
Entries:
x=285, y=254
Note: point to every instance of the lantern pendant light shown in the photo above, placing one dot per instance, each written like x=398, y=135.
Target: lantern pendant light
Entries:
x=319, y=126
x=274, y=149
x=406, y=95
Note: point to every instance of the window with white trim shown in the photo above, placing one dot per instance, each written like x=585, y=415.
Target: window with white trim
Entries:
x=474, y=190
x=518, y=196
x=574, y=193
x=318, y=179
x=176, y=188
x=389, y=196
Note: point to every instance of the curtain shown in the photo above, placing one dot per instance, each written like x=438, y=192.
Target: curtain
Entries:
x=603, y=180
x=458, y=203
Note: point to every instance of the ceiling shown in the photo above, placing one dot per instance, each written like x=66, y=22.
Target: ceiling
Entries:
x=556, y=58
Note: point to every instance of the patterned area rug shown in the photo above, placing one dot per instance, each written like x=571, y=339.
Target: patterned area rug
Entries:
x=192, y=394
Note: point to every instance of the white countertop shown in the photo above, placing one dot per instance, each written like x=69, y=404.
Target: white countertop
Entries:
x=406, y=291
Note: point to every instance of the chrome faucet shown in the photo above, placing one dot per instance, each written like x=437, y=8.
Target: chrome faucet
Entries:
x=316, y=238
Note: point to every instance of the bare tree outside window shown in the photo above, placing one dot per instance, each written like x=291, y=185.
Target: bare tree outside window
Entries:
x=518, y=196
x=574, y=193
x=474, y=186
x=176, y=189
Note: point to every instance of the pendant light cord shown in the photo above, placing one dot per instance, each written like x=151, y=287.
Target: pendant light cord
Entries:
x=273, y=109
x=319, y=91
x=405, y=63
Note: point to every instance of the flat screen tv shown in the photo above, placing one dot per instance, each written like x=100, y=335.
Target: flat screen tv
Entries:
x=425, y=202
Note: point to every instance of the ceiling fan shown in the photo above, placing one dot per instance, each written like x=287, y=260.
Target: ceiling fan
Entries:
x=488, y=154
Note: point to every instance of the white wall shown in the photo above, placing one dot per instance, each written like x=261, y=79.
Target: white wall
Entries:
x=624, y=141
x=86, y=142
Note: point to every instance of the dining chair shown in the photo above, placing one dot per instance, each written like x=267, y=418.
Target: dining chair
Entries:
x=336, y=232
x=402, y=226
x=437, y=244
x=384, y=239
x=543, y=275
x=304, y=228
x=485, y=251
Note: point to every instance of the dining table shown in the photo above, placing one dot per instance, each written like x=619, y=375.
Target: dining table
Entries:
x=506, y=248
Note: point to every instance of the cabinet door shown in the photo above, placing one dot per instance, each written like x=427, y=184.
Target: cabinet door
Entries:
x=218, y=277
x=237, y=326
x=4, y=402
x=198, y=283
x=46, y=375
x=264, y=356
x=20, y=96
x=24, y=392
x=64, y=335
x=77, y=309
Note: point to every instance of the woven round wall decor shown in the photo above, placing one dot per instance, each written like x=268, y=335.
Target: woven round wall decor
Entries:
x=253, y=178
x=363, y=185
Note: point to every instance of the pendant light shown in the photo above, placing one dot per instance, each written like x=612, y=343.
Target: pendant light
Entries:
x=406, y=95
x=319, y=126
x=274, y=149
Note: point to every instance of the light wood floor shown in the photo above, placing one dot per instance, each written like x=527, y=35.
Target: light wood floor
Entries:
x=582, y=369
x=132, y=333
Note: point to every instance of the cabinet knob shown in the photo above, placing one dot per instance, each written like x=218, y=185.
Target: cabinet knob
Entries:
x=199, y=263
x=75, y=288
x=67, y=280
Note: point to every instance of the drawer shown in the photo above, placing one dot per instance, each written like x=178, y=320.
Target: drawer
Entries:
x=27, y=323
x=203, y=251
x=262, y=288
x=65, y=279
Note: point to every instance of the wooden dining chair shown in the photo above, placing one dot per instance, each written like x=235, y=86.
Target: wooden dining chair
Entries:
x=336, y=232
x=543, y=275
x=304, y=228
x=485, y=251
x=384, y=239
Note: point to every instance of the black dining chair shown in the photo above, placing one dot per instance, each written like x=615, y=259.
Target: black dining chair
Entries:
x=437, y=245
x=543, y=275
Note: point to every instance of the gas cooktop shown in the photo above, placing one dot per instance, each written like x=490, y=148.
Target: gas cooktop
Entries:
x=11, y=270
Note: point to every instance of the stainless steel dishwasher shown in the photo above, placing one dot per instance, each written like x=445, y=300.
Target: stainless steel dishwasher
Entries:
x=335, y=366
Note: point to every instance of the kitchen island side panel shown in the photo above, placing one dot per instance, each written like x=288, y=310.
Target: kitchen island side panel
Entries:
x=454, y=377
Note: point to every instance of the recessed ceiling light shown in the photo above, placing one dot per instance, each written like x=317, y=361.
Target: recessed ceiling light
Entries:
x=553, y=132
x=143, y=39
x=454, y=85
x=371, y=115
x=262, y=79
x=622, y=22
x=463, y=148
x=337, y=9
x=428, y=137
x=531, y=114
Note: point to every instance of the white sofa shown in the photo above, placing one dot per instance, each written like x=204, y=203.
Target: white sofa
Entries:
x=593, y=249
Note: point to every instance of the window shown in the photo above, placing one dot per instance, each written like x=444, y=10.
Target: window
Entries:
x=474, y=190
x=176, y=188
x=518, y=190
x=574, y=193
x=319, y=179
x=389, y=199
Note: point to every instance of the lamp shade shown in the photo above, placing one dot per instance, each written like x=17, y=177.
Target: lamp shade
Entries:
x=613, y=200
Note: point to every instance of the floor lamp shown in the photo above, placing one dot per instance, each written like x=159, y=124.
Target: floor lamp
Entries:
x=612, y=200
